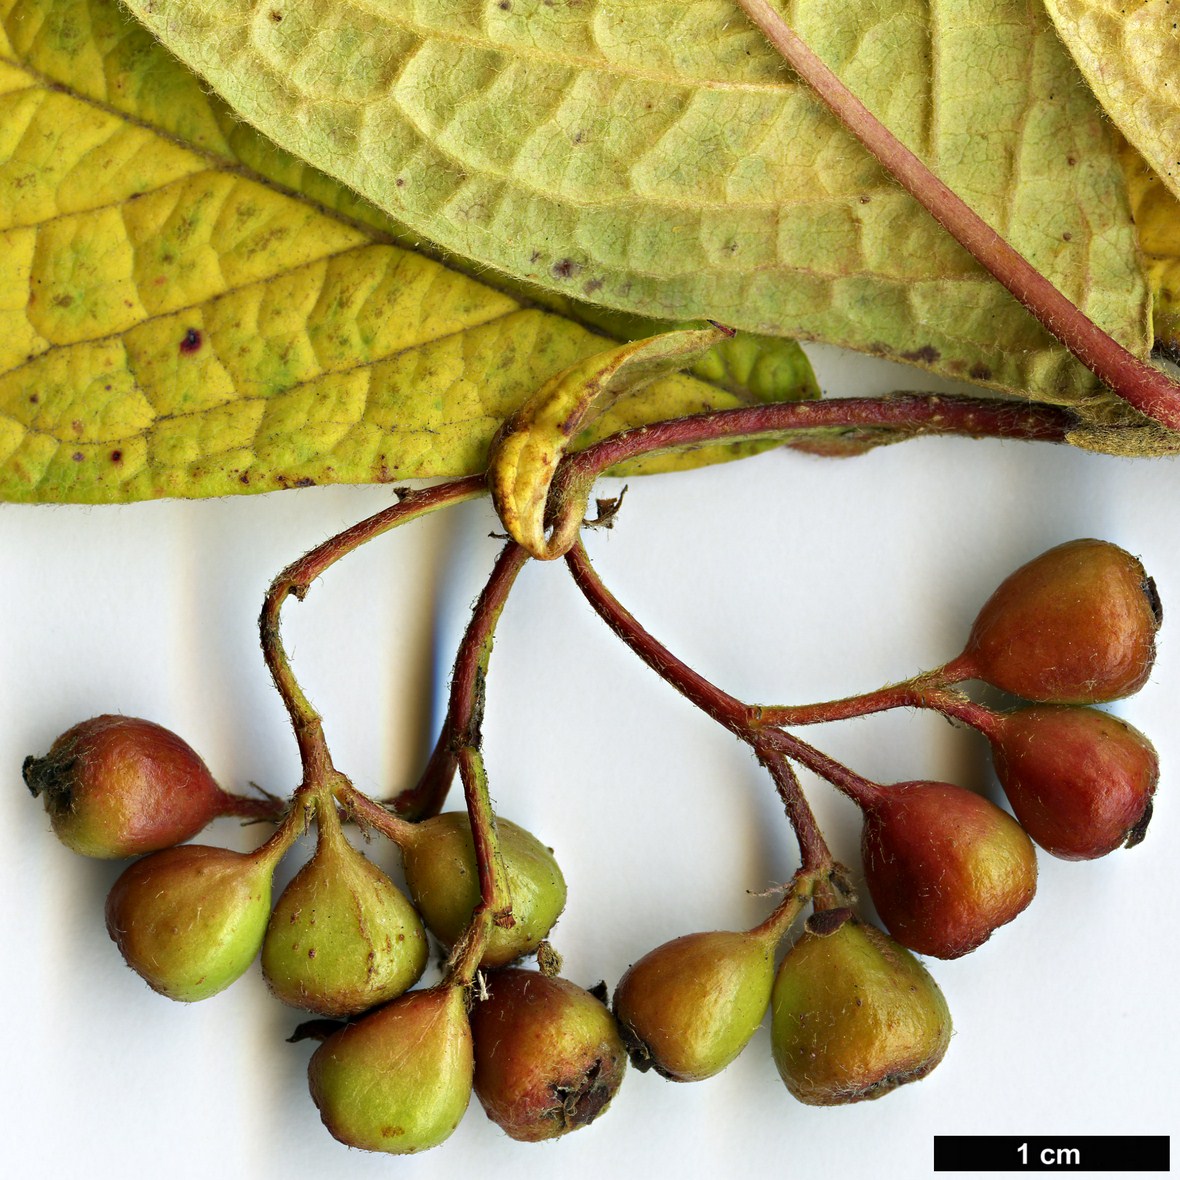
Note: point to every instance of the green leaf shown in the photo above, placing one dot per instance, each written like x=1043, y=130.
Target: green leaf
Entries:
x=187, y=311
x=530, y=446
x=658, y=157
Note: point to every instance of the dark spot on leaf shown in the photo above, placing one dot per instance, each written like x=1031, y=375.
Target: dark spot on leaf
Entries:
x=865, y=198
x=579, y=136
x=275, y=15
x=311, y=952
x=116, y=456
x=1071, y=160
x=244, y=477
x=565, y=269
x=878, y=348
x=592, y=286
x=77, y=456
x=191, y=341
x=980, y=372
x=304, y=482
x=35, y=399
x=62, y=300
x=1067, y=237
x=926, y=355
x=77, y=426
x=400, y=182
x=534, y=256
x=505, y=5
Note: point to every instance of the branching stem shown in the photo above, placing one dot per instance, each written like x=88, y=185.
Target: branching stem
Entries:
x=297, y=578
x=770, y=745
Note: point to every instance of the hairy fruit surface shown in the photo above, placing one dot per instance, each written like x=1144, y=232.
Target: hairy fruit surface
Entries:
x=190, y=920
x=853, y=1016
x=945, y=867
x=548, y=1055
x=1076, y=625
x=690, y=1006
x=441, y=872
x=118, y=787
x=399, y=1079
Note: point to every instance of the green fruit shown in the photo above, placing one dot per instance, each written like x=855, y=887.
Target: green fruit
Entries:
x=190, y=919
x=548, y=1055
x=441, y=872
x=399, y=1079
x=689, y=1007
x=853, y=1016
x=343, y=938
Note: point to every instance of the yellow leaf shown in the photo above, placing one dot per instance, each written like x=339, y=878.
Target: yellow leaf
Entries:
x=186, y=311
x=1157, y=218
x=657, y=156
x=1130, y=55
x=530, y=446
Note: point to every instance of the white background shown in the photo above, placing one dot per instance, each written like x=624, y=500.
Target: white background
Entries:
x=784, y=579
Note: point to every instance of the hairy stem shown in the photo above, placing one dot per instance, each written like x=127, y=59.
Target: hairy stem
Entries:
x=916, y=414
x=465, y=705
x=1147, y=389
x=740, y=719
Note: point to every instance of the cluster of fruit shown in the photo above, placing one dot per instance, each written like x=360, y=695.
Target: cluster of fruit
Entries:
x=854, y=1014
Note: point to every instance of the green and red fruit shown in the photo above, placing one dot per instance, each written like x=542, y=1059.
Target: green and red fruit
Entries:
x=689, y=1007
x=119, y=787
x=1079, y=780
x=443, y=879
x=548, y=1055
x=190, y=919
x=854, y=1015
x=945, y=867
x=399, y=1079
x=343, y=938
x=1076, y=625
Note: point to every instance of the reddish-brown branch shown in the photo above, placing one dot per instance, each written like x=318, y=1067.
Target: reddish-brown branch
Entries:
x=740, y=719
x=916, y=413
x=1144, y=387
x=460, y=727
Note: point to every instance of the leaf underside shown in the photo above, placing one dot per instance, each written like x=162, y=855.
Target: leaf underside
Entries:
x=657, y=156
x=1157, y=218
x=185, y=310
x=1130, y=55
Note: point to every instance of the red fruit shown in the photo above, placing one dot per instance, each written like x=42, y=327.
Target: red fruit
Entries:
x=1076, y=625
x=548, y=1054
x=944, y=866
x=119, y=786
x=1080, y=781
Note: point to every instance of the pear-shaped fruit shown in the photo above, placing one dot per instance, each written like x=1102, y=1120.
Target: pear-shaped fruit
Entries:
x=690, y=1006
x=1076, y=625
x=1079, y=780
x=440, y=867
x=120, y=786
x=343, y=938
x=548, y=1055
x=944, y=866
x=399, y=1079
x=853, y=1016
x=190, y=919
